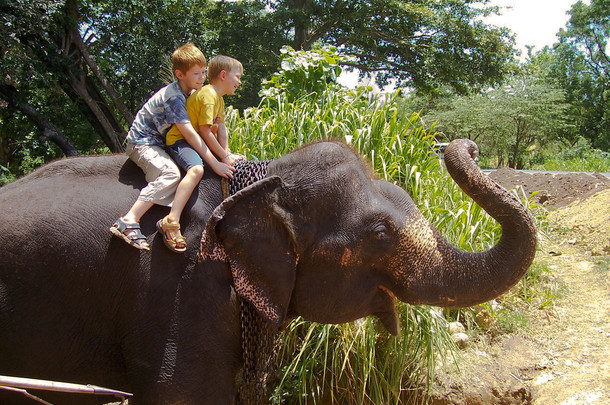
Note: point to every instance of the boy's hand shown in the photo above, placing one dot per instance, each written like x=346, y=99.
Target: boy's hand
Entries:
x=237, y=157
x=223, y=170
x=229, y=159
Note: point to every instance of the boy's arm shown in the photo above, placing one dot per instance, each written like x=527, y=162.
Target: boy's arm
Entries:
x=193, y=139
x=215, y=144
x=223, y=137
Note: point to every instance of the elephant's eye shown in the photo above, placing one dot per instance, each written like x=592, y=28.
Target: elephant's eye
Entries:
x=381, y=232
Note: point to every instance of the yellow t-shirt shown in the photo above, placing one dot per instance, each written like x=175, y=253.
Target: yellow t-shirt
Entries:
x=204, y=107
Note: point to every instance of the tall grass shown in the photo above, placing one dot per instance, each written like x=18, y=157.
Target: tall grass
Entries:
x=359, y=362
x=390, y=137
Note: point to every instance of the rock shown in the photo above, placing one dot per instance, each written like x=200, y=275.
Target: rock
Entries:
x=461, y=339
x=456, y=327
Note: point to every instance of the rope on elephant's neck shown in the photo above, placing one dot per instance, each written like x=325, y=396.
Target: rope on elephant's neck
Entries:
x=258, y=337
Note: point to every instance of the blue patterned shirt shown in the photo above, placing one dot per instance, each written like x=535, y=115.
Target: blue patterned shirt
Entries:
x=165, y=108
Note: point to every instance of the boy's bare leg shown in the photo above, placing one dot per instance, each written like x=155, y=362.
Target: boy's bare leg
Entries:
x=183, y=193
x=138, y=209
x=170, y=225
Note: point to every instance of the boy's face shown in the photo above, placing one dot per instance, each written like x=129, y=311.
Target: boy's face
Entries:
x=192, y=79
x=232, y=80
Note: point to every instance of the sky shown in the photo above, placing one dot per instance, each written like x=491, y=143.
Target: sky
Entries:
x=533, y=22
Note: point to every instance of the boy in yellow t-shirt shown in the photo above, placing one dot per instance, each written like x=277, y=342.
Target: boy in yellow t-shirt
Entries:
x=206, y=108
x=206, y=111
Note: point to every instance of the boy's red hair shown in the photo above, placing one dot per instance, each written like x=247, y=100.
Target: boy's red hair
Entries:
x=187, y=56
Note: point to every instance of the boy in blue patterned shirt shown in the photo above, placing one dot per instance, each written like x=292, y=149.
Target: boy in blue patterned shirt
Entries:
x=146, y=147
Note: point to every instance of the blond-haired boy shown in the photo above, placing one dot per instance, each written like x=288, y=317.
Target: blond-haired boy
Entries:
x=146, y=146
x=205, y=108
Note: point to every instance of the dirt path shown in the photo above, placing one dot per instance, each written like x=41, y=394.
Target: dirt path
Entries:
x=574, y=347
x=564, y=356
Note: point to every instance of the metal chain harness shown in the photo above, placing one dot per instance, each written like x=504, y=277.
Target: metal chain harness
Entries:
x=258, y=337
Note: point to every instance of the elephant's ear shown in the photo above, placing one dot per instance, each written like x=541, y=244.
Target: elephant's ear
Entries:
x=251, y=233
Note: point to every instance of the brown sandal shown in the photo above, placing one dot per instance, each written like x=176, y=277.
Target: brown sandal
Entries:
x=172, y=237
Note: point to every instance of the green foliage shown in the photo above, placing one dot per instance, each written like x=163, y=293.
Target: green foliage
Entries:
x=506, y=121
x=579, y=157
x=359, y=363
x=580, y=62
x=246, y=31
x=304, y=72
x=5, y=175
x=422, y=44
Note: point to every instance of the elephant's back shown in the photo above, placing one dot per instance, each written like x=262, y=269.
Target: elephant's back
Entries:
x=73, y=167
x=63, y=178
x=67, y=202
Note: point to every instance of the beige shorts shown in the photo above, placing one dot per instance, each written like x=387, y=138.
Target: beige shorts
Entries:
x=162, y=174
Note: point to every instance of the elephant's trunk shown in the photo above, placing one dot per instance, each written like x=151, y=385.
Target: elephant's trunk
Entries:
x=446, y=276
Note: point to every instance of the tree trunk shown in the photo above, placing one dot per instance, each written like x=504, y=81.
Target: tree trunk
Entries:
x=126, y=114
x=300, y=11
x=63, y=56
x=82, y=90
x=49, y=132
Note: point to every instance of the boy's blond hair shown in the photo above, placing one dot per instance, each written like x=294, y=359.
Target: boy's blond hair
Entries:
x=221, y=62
x=187, y=56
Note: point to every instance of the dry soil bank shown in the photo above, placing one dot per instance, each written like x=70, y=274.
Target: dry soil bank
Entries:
x=564, y=356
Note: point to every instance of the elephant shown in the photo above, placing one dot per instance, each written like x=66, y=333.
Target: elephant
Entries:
x=318, y=236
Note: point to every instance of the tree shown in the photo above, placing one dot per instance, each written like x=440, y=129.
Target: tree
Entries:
x=49, y=132
x=131, y=40
x=506, y=121
x=580, y=61
x=246, y=32
x=16, y=64
x=422, y=44
x=53, y=56
x=304, y=73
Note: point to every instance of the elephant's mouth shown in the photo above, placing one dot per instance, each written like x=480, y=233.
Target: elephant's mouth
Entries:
x=388, y=315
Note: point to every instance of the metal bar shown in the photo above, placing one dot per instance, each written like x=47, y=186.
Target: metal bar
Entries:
x=19, y=382
x=27, y=394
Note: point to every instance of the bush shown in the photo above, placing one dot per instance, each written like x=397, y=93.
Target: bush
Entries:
x=580, y=157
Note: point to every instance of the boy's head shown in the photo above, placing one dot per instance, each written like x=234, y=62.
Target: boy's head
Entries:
x=189, y=67
x=187, y=56
x=225, y=73
x=221, y=62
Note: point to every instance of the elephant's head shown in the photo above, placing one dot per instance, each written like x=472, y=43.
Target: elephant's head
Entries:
x=322, y=238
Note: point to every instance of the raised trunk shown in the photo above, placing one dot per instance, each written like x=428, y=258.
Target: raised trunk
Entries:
x=449, y=277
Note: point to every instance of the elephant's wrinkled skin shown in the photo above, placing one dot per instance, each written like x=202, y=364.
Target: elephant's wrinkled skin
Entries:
x=319, y=237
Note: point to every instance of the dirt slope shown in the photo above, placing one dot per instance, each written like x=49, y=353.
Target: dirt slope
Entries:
x=565, y=356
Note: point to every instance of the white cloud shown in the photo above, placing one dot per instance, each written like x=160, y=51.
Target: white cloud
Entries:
x=534, y=22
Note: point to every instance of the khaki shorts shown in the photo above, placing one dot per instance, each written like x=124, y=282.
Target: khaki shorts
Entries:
x=162, y=174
